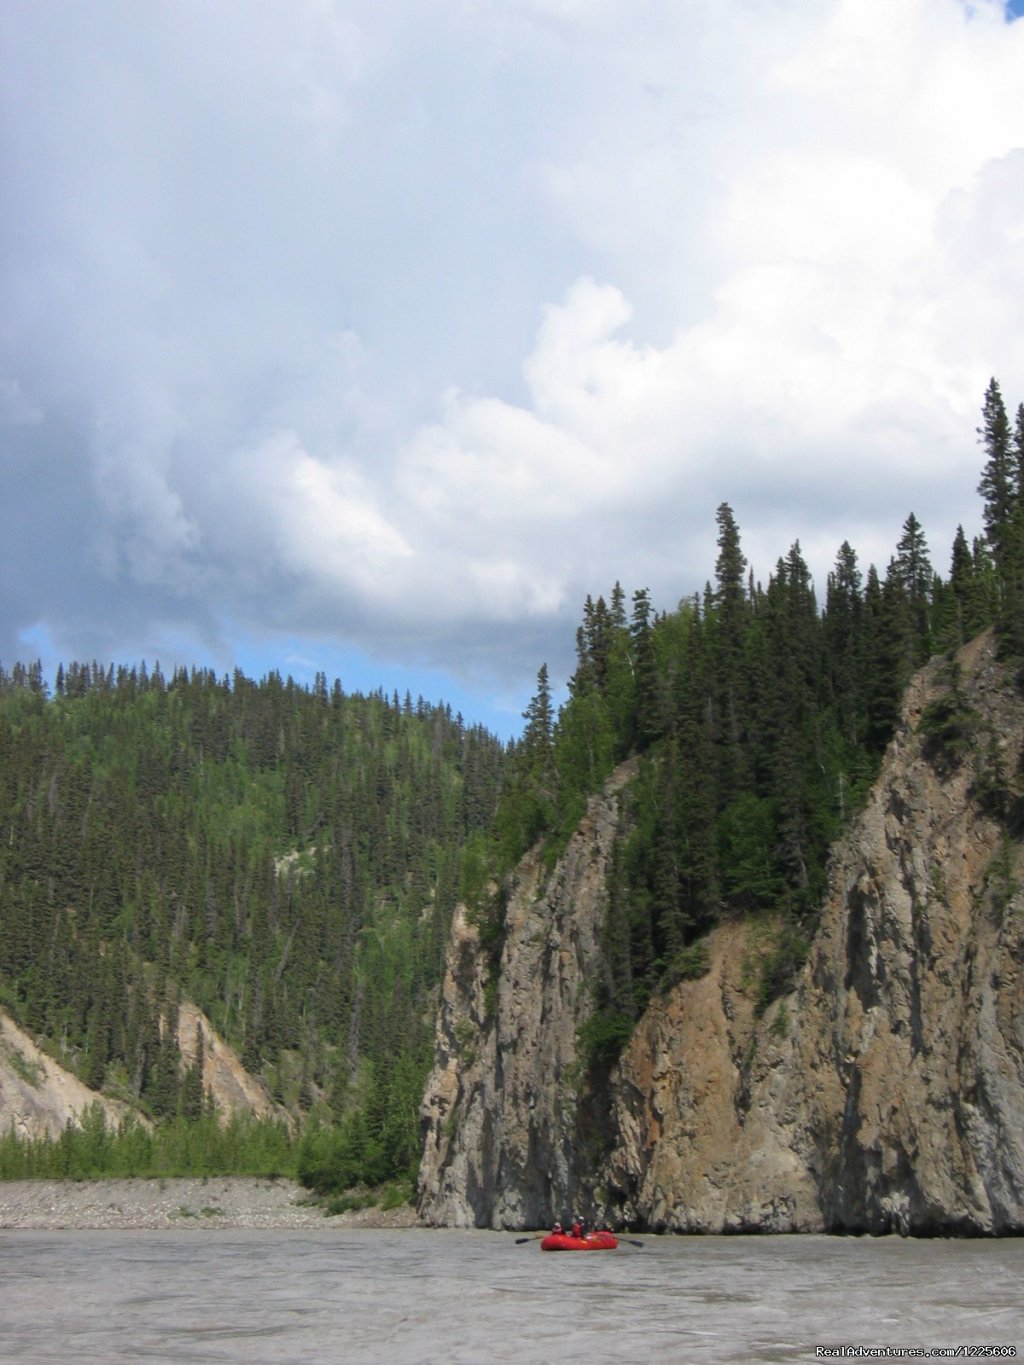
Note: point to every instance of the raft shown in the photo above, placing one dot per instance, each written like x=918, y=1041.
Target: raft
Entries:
x=565, y=1241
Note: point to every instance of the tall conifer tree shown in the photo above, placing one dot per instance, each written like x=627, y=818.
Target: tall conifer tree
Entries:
x=730, y=621
x=999, y=474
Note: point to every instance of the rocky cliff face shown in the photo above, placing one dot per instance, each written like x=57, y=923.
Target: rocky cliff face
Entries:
x=501, y=1142
x=885, y=1092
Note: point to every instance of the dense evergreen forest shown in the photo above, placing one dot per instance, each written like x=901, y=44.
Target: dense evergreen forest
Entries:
x=289, y=858
x=760, y=717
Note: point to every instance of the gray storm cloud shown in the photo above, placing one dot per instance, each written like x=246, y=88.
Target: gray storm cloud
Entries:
x=403, y=332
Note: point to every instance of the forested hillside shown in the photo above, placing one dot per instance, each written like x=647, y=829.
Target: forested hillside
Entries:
x=289, y=858
x=761, y=715
x=286, y=858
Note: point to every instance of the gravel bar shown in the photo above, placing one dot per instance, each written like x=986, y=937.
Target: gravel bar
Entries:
x=215, y=1202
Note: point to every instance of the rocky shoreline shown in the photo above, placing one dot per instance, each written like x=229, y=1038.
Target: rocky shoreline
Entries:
x=215, y=1202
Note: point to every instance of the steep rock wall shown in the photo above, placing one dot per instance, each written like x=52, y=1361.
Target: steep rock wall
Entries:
x=885, y=1093
x=501, y=1146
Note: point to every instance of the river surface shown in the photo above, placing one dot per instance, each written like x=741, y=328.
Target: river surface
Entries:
x=415, y=1297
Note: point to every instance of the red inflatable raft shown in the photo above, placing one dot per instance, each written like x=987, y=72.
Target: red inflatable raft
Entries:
x=593, y=1241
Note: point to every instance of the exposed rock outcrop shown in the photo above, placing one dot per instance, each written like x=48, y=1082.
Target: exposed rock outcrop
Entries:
x=501, y=1144
x=885, y=1093
x=39, y=1097
x=234, y=1090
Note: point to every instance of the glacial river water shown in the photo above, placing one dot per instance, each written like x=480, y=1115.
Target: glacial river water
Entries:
x=415, y=1297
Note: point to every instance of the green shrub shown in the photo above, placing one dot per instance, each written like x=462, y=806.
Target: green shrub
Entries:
x=602, y=1037
x=780, y=966
x=689, y=964
x=946, y=728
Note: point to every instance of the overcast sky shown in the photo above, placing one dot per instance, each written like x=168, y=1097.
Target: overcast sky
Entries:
x=371, y=335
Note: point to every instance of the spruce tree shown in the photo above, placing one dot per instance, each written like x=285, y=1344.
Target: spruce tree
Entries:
x=729, y=627
x=913, y=573
x=540, y=718
x=844, y=636
x=650, y=717
x=999, y=477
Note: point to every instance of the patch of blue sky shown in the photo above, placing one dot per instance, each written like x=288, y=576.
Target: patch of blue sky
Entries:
x=300, y=659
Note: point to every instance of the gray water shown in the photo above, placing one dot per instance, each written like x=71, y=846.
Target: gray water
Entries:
x=416, y=1297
